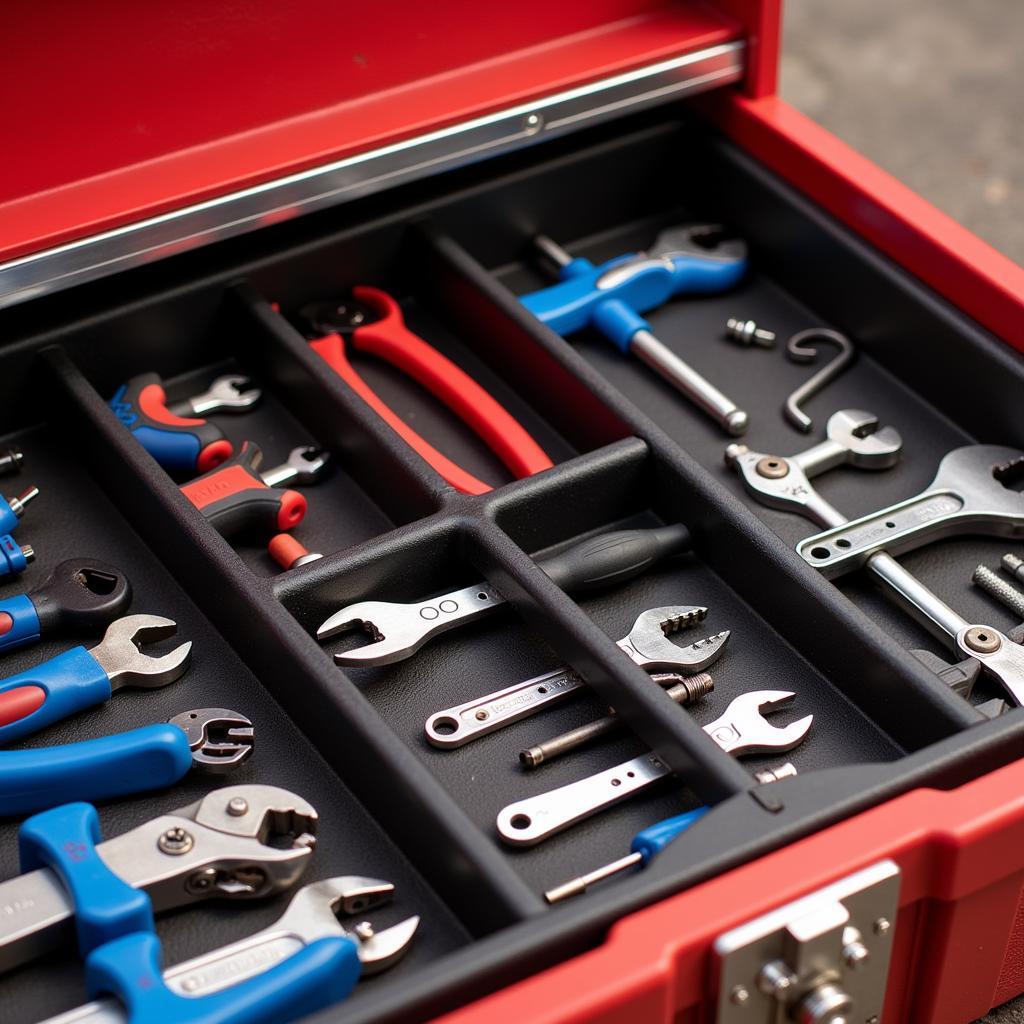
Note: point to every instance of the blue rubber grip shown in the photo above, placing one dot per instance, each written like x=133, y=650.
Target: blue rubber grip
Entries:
x=174, y=450
x=24, y=622
x=64, y=840
x=111, y=766
x=8, y=520
x=68, y=683
x=322, y=973
x=576, y=302
x=12, y=559
x=652, y=840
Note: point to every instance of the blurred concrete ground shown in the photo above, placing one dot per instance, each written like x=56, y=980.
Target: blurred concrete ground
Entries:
x=931, y=90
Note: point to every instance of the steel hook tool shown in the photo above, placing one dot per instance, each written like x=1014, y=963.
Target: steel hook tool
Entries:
x=800, y=349
x=647, y=644
x=372, y=322
x=312, y=914
x=741, y=729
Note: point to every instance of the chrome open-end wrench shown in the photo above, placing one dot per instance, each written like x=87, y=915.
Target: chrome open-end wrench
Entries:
x=647, y=644
x=312, y=914
x=239, y=842
x=397, y=631
x=971, y=493
x=741, y=729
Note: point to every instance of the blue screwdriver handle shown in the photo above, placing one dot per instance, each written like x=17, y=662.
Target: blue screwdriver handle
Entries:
x=100, y=769
x=322, y=973
x=652, y=840
x=576, y=301
x=19, y=622
x=56, y=689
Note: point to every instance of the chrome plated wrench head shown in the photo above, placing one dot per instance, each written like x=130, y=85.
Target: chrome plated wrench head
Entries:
x=707, y=241
x=124, y=663
x=230, y=393
x=743, y=729
x=304, y=465
x=648, y=645
x=219, y=739
x=868, y=445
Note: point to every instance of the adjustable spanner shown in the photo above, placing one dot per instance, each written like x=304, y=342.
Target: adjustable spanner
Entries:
x=647, y=645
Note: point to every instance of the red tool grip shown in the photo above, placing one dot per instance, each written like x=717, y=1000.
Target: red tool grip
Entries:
x=20, y=702
x=388, y=338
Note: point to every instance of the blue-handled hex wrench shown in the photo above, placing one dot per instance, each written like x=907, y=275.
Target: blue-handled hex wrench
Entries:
x=687, y=260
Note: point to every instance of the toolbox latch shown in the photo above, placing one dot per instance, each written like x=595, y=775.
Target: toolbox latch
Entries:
x=823, y=959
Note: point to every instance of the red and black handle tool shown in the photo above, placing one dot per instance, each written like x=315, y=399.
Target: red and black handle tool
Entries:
x=236, y=498
x=177, y=435
x=373, y=323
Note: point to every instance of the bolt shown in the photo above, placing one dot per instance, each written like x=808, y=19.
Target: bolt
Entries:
x=982, y=639
x=769, y=775
x=881, y=925
x=532, y=124
x=1014, y=566
x=855, y=954
x=740, y=995
x=237, y=806
x=175, y=841
x=364, y=931
x=776, y=979
x=746, y=332
x=772, y=467
x=1002, y=591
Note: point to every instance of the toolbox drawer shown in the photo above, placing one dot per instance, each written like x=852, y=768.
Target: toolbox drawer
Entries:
x=895, y=766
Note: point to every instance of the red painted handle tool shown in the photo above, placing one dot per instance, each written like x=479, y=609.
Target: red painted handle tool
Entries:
x=374, y=324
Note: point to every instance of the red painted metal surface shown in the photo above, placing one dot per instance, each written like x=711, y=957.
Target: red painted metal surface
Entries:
x=971, y=274
x=961, y=854
x=181, y=102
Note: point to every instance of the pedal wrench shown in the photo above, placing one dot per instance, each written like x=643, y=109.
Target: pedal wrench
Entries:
x=968, y=495
x=646, y=645
x=741, y=729
x=312, y=914
x=220, y=846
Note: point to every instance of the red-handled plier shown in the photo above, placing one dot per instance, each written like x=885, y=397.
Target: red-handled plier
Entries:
x=374, y=324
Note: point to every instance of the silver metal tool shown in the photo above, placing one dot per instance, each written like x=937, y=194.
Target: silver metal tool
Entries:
x=124, y=663
x=971, y=493
x=312, y=914
x=304, y=465
x=239, y=842
x=675, y=242
x=784, y=483
x=992, y=583
x=684, y=693
x=746, y=332
x=1003, y=658
x=230, y=393
x=741, y=729
x=647, y=644
x=800, y=350
x=218, y=738
x=1014, y=566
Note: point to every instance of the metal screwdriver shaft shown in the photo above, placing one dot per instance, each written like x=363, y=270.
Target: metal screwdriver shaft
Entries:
x=1014, y=566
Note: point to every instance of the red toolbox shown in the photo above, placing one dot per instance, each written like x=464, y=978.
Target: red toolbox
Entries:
x=183, y=183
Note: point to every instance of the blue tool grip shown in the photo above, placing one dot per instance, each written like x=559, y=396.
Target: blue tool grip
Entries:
x=49, y=692
x=64, y=840
x=177, y=452
x=8, y=520
x=19, y=623
x=111, y=766
x=12, y=559
x=652, y=840
x=692, y=275
x=322, y=973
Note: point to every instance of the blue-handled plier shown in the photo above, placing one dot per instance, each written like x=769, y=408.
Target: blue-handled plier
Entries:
x=610, y=297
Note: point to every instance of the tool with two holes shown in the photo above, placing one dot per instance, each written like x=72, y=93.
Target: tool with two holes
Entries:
x=573, y=304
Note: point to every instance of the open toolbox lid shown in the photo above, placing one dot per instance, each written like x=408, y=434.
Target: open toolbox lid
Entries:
x=137, y=137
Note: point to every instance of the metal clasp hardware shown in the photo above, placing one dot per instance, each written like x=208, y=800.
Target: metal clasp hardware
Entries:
x=823, y=959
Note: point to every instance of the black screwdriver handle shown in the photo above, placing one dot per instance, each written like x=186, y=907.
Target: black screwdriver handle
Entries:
x=612, y=558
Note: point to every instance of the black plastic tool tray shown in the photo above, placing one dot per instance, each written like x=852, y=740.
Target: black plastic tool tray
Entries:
x=628, y=451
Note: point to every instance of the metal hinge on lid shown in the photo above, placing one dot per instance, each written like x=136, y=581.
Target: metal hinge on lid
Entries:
x=823, y=959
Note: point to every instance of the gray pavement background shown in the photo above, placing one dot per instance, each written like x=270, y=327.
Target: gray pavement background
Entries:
x=931, y=90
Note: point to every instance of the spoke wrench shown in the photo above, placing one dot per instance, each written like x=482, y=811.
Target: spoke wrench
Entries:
x=741, y=729
x=175, y=434
x=647, y=644
x=79, y=595
x=688, y=260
